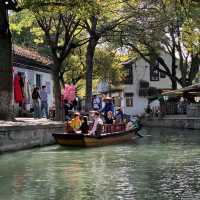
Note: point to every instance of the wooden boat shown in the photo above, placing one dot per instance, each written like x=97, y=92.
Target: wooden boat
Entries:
x=81, y=140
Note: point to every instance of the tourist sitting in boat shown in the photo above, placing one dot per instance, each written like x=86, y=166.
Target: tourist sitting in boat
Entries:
x=119, y=117
x=84, y=126
x=109, y=106
x=68, y=127
x=98, y=124
x=109, y=119
x=76, y=122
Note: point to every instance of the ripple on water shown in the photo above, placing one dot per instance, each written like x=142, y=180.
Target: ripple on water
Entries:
x=164, y=165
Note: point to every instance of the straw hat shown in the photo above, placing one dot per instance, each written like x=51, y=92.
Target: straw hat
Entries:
x=77, y=114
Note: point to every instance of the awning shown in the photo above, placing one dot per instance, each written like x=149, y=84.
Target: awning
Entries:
x=193, y=90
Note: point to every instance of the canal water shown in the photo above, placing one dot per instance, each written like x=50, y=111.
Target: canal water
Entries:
x=164, y=164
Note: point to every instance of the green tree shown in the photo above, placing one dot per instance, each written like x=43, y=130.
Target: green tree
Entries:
x=5, y=60
x=96, y=18
x=60, y=31
x=22, y=25
x=107, y=66
x=102, y=18
x=57, y=25
x=163, y=26
x=74, y=67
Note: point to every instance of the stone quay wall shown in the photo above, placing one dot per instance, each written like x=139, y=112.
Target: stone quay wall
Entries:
x=173, y=122
x=27, y=135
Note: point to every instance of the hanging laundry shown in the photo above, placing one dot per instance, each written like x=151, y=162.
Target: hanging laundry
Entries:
x=13, y=77
x=17, y=89
x=21, y=80
x=27, y=93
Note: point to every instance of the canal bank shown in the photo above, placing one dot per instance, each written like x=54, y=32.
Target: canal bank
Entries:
x=27, y=133
x=173, y=121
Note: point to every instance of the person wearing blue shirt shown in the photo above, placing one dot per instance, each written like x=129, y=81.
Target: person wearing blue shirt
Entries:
x=119, y=115
x=109, y=106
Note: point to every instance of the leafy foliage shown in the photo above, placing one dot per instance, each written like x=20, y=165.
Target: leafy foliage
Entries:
x=147, y=27
x=107, y=66
x=165, y=25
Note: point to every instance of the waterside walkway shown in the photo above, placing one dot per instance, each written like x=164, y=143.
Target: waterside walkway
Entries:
x=27, y=133
x=173, y=121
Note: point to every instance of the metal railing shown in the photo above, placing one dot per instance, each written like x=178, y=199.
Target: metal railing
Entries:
x=110, y=128
x=174, y=108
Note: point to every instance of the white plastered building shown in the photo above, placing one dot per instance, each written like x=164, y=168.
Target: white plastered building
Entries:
x=138, y=72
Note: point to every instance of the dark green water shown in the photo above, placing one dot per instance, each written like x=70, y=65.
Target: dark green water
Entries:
x=164, y=164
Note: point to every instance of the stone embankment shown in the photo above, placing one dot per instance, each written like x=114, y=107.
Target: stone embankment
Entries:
x=27, y=133
x=173, y=121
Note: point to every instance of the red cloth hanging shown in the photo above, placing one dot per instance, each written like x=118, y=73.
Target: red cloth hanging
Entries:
x=17, y=89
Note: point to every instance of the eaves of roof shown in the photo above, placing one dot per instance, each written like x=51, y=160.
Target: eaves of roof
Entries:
x=30, y=59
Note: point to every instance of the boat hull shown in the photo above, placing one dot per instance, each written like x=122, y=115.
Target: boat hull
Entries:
x=80, y=140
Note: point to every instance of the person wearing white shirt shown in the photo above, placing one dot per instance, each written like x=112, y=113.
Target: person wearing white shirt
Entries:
x=97, y=121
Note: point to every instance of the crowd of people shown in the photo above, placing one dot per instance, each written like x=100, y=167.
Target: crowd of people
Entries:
x=92, y=124
x=100, y=121
x=100, y=118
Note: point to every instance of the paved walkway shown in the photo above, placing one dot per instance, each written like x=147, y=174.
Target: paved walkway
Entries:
x=179, y=117
x=29, y=122
x=173, y=121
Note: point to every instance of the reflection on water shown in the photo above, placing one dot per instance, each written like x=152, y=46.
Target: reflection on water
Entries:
x=164, y=164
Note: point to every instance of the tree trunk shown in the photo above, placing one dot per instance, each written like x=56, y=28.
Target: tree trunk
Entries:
x=62, y=81
x=89, y=71
x=194, y=69
x=6, y=77
x=182, y=66
x=57, y=95
x=174, y=82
